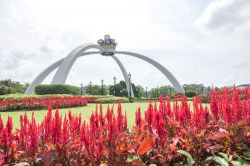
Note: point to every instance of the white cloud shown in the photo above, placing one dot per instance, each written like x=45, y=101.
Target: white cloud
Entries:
x=224, y=16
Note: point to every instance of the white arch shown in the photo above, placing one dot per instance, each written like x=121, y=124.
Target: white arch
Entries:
x=39, y=79
x=65, y=65
x=63, y=70
x=167, y=73
x=125, y=75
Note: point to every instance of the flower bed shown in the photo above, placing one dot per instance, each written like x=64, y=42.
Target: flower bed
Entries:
x=166, y=135
x=39, y=103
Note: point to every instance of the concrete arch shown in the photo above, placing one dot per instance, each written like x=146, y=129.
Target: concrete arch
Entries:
x=63, y=70
x=125, y=75
x=167, y=73
x=39, y=79
x=65, y=64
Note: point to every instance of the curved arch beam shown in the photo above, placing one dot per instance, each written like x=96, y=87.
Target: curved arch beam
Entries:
x=125, y=75
x=63, y=70
x=39, y=79
x=167, y=73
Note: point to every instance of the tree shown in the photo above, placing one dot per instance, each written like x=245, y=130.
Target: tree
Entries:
x=4, y=90
x=96, y=90
x=13, y=86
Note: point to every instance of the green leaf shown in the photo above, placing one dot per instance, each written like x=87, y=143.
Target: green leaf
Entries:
x=190, y=159
x=246, y=153
x=22, y=164
x=242, y=161
x=221, y=161
x=236, y=163
x=224, y=155
x=131, y=158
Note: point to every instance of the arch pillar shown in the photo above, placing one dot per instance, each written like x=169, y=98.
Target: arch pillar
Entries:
x=167, y=73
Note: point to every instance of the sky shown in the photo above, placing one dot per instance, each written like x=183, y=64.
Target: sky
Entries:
x=198, y=41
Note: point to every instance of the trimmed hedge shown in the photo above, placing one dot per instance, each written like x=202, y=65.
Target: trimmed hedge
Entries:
x=19, y=96
x=56, y=89
x=190, y=94
x=112, y=100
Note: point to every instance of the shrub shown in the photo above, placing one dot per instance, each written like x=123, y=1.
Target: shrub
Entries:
x=205, y=98
x=56, y=89
x=19, y=96
x=3, y=89
x=112, y=100
x=190, y=94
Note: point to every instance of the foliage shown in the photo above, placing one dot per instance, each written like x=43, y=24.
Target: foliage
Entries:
x=4, y=90
x=96, y=90
x=167, y=134
x=19, y=96
x=12, y=86
x=56, y=89
x=190, y=94
x=119, y=89
x=112, y=100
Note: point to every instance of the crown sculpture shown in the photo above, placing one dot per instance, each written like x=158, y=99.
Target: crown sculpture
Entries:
x=108, y=45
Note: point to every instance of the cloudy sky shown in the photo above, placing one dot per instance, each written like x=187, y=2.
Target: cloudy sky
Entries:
x=199, y=41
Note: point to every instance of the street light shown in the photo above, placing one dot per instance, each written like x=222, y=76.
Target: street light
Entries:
x=114, y=80
x=129, y=79
x=138, y=90
x=114, y=85
x=81, y=90
x=157, y=92
x=102, y=85
x=90, y=85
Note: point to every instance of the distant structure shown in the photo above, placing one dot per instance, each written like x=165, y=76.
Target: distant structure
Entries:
x=242, y=86
x=105, y=47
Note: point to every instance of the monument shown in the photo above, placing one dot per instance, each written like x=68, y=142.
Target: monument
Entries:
x=105, y=47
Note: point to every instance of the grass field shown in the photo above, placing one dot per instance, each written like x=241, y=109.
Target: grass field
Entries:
x=85, y=111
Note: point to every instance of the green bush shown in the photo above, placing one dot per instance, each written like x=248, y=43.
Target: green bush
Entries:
x=56, y=89
x=112, y=100
x=4, y=89
x=19, y=96
x=205, y=98
x=190, y=94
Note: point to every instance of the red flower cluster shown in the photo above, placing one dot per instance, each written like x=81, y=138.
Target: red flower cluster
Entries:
x=155, y=138
x=39, y=103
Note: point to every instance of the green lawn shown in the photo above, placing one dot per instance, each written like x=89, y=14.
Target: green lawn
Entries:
x=86, y=111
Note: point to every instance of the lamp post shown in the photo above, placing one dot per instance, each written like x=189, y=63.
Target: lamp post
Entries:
x=81, y=89
x=129, y=80
x=170, y=90
x=146, y=92
x=114, y=80
x=90, y=86
x=157, y=92
x=102, y=85
x=114, y=85
x=138, y=91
